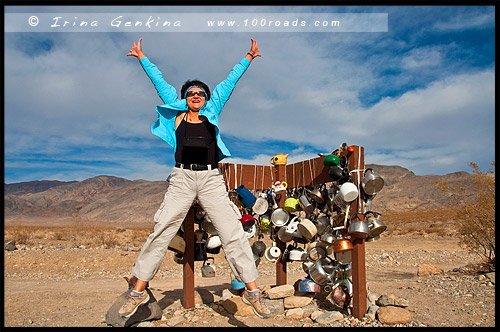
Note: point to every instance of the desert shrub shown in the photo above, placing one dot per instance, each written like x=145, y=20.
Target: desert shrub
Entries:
x=477, y=217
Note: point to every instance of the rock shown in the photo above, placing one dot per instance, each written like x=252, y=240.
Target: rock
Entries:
x=371, y=313
x=491, y=276
x=426, y=269
x=296, y=302
x=295, y=313
x=148, y=311
x=236, y=306
x=329, y=317
x=371, y=297
x=146, y=324
x=280, y=292
x=393, y=315
x=316, y=314
x=385, y=300
x=10, y=246
x=175, y=320
x=401, y=302
x=275, y=306
x=227, y=294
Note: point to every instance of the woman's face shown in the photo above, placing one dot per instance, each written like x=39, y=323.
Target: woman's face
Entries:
x=195, y=99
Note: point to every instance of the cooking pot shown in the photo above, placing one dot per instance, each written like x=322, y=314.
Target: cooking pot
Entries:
x=322, y=224
x=348, y=191
x=308, y=286
x=250, y=232
x=258, y=248
x=344, y=257
x=177, y=244
x=307, y=228
x=319, y=194
x=279, y=217
x=316, y=250
x=213, y=242
x=265, y=222
x=208, y=271
x=199, y=235
x=327, y=238
x=340, y=296
x=331, y=160
x=372, y=182
x=306, y=204
x=292, y=228
x=375, y=225
x=306, y=265
x=358, y=229
x=178, y=258
x=341, y=245
x=260, y=206
x=322, y=271
x=284, y=236
x=279, y=187
x=208, y=226
x=200, y=253
x=338, y=220
x=291, y=204
x=247, y=221
x=372, y=239
x=336, y=173
x=246, y=197
x=272, y=253
x=279, y=159
x=297, y=254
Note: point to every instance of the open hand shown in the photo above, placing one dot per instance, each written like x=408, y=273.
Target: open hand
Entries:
x=136, y=50
x=254, y=50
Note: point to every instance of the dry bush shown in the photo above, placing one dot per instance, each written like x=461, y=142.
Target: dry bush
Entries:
x=88, y=235
x=439, y=221
x=477, y=226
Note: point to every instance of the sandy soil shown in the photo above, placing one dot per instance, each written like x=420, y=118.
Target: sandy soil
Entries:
x=53, y=285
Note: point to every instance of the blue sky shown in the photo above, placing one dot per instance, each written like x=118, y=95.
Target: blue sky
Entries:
x=420, y=95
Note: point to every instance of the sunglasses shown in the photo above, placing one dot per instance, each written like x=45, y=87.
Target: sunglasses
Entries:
x=192, y=93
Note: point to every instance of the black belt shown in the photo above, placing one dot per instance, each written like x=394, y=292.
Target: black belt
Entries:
x=196, y=167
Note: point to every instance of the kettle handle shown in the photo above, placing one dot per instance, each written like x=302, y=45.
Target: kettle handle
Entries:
x=213, y=261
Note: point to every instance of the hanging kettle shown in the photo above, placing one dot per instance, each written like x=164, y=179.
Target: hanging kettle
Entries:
x=372, y=183
x=336, y=173
x=200, y=253
x=319, y=194
x=375, y=225
x=358, y=229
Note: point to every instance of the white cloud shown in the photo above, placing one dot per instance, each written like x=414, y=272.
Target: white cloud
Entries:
x=85, y=95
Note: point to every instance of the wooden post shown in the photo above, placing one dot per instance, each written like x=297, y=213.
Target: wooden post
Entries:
x=280, y=171
x=188, y=262
x=356, y=167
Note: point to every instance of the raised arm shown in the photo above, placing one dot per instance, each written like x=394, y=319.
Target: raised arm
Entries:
x=223, y=90
x=167, y=93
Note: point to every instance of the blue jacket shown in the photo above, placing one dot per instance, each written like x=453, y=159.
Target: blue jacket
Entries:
x=164, y=126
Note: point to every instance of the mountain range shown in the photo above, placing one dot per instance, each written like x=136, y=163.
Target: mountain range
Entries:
x=127, y=202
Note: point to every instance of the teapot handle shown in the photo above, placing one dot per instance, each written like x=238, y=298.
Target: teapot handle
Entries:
x=213, y=261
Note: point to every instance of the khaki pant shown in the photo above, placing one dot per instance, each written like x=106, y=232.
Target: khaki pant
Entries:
x=208, y=187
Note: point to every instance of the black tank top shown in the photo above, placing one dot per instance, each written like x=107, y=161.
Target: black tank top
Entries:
x=196, y=143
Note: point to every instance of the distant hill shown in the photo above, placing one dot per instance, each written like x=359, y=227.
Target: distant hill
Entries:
x=121, y=201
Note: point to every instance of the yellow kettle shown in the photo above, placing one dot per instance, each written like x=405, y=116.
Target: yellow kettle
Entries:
x=279, y=159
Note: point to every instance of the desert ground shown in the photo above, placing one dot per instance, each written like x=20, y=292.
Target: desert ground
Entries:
x=70, y=276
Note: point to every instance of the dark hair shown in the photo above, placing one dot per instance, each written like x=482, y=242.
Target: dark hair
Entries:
x=191, y=83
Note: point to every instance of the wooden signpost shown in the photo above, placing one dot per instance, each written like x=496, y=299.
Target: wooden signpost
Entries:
x=310, y=172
